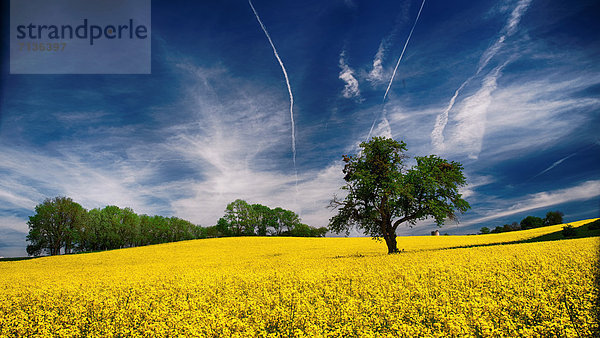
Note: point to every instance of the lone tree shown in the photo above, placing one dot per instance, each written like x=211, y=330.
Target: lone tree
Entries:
x=383, y=193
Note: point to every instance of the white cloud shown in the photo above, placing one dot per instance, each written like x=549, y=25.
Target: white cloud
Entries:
x=351, y=89
x=471, y=118
x=375, y=76
x=14, y=223
x=221, y=187
x=239, y=143
x=474, y=182
x=528, y=114
x=236, y=144
x=92, y=185
x=383, y=128
x=508, y=120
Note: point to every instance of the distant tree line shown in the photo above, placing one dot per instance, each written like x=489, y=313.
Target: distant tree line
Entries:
x=529, y=222
x=62, y=225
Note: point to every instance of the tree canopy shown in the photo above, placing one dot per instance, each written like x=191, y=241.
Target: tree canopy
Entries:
x=553, y=218
x=383, y=193
x=55, y=225
x=531, y=222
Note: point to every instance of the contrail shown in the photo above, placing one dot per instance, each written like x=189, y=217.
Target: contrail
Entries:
x=403, y=49
x=395, y=69
x=287, y=82
x=437, y=137
x=563, y=159
x=554, y=165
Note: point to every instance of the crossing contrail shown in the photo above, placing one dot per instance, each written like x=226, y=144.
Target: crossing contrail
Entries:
x=287, y=82
x=403, y=49
x=395, y=69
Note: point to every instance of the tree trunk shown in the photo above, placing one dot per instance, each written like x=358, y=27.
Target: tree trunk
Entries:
x=389, y=233
x=390, y=240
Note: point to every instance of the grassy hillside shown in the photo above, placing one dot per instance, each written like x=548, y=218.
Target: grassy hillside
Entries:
x=261, y=286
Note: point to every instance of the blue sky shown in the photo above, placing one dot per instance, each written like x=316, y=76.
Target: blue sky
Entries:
x=511, y=89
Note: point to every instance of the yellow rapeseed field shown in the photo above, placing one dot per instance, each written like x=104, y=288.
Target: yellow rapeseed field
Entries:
x=315, y=287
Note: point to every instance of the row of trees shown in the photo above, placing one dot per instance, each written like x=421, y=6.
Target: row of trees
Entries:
x=529, y=222
x=62, y=225
x=244, y=219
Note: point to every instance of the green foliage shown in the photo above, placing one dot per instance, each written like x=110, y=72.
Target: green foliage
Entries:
x=300, y=230
x=222, y=228
x=285, y=220
x=553, y=217
x=382, y=193
x=55, y=225
x=243, y=219
x=506, y=228
x=319, y=232
x=569, y=231
x=209, y=232
x=484, y=230
x=60, y=223
x=514, y=226
x=238, y=217
x=263, y=218
x=531, y=222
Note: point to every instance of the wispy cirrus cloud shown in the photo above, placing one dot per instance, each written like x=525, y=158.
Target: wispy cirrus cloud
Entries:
x=376, y=76
x=437, y=137
x=237, y=142
x=351, y=88
x=541, y=112
x=91, y=184
x=471, y=119
x=212, y=123
x=582, y=191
